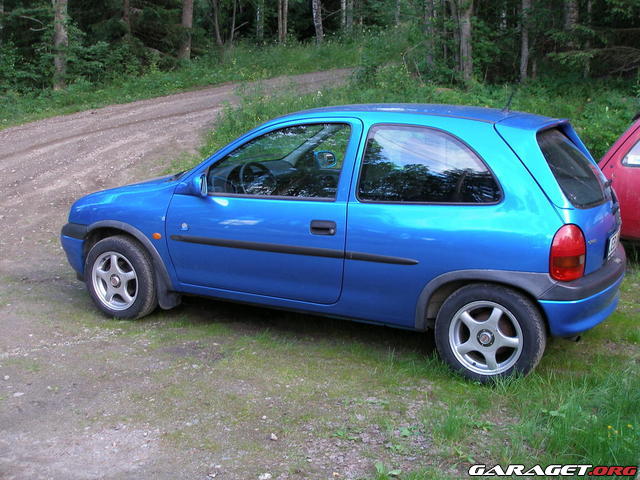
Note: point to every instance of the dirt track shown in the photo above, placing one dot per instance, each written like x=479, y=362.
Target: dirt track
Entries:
x=45, y=165
x=73, y=392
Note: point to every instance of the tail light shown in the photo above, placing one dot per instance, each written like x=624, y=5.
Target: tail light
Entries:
x=568, y=250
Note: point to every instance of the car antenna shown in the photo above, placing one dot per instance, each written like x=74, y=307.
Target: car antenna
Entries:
x=506, y=107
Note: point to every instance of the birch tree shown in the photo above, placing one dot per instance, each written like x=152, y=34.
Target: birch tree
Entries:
x=215, y=7
x=60, y=43
x=184, y=53
x=465, y=11
x=260, y=21
x=283, y=13
x=316, y=11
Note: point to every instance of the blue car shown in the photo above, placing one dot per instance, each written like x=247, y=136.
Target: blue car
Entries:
x=494, y=228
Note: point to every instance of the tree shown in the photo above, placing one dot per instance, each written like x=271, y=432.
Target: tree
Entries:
x=283, y=13
x=524, y=39
x=126, y=18
x=465, y=11
x=232, y=30
x=570, y=15
x=215, y=7
x=60, y=43
x=184, y=53
x=316, y=11
x=260, y=21
x=349, y=16
x=429, y=32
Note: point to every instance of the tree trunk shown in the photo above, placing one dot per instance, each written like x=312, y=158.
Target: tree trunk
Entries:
x=466, y=55
x=570, y=15
x=1, y=19
x=587, y=66
x=283, y=13
x=455, y=16
x=524, y=40
x=260, y=21
x=349, y=16
x=184, y=52
x=216, y=23
x=285, y=20
x=397, y=14
x=60, y=43
x=429, y=32
x=316, y=10
x=343, y=14
x=232, y=30
x=126, y=18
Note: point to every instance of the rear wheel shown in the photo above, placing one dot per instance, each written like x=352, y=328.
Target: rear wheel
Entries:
x=119, y=275
x=485, y=331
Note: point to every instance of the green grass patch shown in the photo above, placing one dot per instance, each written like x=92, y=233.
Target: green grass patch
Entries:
x=242, y=63
x=599, y=111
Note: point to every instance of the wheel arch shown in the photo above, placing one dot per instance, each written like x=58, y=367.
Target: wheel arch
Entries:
x=97, y=231
x=530, y=284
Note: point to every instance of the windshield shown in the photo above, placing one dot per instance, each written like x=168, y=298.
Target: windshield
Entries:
x=575, y=173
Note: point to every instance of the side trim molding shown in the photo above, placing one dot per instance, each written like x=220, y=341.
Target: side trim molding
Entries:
x=294, y=249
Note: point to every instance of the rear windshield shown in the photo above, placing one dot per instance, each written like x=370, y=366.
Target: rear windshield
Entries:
x=574, y=172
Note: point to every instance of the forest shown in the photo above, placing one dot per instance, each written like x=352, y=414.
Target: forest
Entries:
x=51, y=44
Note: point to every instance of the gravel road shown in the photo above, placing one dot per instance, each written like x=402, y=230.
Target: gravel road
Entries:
x=45, y=165
x=68, y=384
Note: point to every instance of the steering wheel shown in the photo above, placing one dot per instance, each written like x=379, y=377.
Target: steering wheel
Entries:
x=257, y=179
x=222, y=185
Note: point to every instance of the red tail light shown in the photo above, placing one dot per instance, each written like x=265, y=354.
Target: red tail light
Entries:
x=568, y=252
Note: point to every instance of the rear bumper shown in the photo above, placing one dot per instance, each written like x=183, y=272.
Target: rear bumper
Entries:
x=574, y=307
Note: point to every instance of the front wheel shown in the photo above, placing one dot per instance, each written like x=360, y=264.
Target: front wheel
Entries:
x=485, y=331
x=119, y=276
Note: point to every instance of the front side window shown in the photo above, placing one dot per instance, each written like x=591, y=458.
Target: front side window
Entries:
x=575, y=173
x=632, y=159
x=422, y=165
x=299, y=161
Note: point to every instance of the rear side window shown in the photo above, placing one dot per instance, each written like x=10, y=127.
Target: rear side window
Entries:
x=575, y=173
x=421, y=165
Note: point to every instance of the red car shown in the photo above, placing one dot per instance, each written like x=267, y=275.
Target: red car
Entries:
x=621, y=165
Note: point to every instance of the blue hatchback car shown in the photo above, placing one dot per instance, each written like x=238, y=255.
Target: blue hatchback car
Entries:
x=494, y=228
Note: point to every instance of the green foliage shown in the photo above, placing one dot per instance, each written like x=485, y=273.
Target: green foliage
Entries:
x=95, y=87
x=599, y=111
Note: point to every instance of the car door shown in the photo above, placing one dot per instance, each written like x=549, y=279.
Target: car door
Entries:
x=420, y=206
x=274, y=221
x=623, y=168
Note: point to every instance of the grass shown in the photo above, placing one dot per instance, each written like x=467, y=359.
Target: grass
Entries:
x=243, y=63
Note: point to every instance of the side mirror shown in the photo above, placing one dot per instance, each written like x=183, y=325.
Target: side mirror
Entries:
x=325, y=159
x=199, y=186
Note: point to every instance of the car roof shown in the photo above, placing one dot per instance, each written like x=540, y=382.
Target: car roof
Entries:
x=480, y=114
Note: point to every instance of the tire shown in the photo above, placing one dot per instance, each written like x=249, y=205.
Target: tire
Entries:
x=486, y=331
x=119, y=276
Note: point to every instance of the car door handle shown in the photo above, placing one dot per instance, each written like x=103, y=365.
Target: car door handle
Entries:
x=323, y=227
